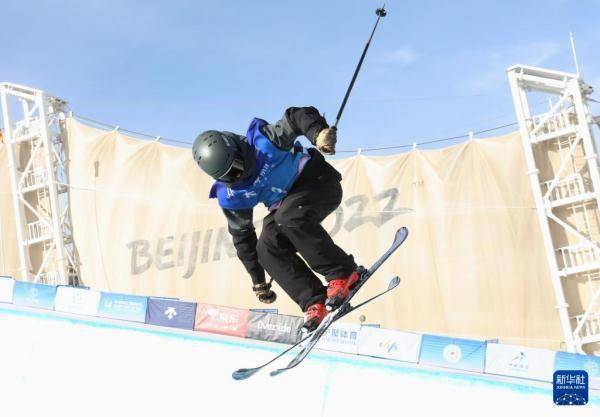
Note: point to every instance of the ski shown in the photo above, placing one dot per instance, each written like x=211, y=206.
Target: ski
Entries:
x=346, y=307
x=245, y=373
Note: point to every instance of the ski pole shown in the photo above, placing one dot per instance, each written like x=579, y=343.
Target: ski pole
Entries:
x=380, y=13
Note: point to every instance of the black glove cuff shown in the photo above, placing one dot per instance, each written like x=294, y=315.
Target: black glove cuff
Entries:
x=263, y=286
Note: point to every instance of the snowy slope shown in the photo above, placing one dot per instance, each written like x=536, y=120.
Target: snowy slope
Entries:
x=54, y=364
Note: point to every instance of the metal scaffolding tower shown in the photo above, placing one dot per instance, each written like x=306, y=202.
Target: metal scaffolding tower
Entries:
x=37, y=158
x=562, y=165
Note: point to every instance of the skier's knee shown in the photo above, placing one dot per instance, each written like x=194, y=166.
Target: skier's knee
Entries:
x=293, y=217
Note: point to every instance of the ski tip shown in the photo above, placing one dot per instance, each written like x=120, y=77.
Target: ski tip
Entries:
x=403, y=231
x=244, y=373
x=277, y=372
x=394, y=282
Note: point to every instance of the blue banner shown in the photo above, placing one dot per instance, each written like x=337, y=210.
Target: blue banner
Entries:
x=34, y=295
x=171, y=313
x=575, y=362
x=465, y=354
x=123, y=307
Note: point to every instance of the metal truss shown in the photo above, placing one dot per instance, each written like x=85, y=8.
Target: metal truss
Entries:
x=37, y=158
x=562, y=164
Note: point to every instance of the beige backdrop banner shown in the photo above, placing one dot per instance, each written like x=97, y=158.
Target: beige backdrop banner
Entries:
x=9, y=257
x=473, y=265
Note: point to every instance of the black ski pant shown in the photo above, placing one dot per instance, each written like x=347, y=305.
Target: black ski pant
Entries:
x=295, y=229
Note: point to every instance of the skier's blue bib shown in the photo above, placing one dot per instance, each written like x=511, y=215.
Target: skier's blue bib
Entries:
x=275, y=171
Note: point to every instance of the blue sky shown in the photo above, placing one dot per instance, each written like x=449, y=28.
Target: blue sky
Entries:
x=435, y=69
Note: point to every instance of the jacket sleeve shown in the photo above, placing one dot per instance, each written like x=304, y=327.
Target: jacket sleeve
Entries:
x=296, y=121
x=242, y=231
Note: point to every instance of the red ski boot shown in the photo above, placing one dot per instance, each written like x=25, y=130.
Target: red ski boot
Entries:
x=313, y=316
x=338, y=289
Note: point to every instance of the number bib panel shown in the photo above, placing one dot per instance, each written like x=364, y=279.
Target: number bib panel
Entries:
x=275, y=171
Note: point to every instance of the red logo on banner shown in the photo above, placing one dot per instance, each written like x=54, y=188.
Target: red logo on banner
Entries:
x=222, y=320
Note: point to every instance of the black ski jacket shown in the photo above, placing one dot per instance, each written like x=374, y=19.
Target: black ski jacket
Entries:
x=295, y=122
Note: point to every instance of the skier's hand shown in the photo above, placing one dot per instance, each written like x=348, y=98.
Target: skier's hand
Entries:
x=326, y=140
x=264, y=293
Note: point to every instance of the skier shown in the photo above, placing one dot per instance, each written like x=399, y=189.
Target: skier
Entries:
x=300, y=189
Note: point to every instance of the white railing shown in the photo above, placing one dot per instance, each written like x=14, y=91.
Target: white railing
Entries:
x=578, y=256
x=27, y=129
x=591, y=327
x=50, y=278
x=567, y=187
x=38, y=230
x=552, y=123
x=35, y=178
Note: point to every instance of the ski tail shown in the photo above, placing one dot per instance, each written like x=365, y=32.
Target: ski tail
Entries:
x=245, y=373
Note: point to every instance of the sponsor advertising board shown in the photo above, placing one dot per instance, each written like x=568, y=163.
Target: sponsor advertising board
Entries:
x=223, y=320
x=171, y=313
x=274, y=327
x=391, y=344
x=123, y=307
x=448, y=352
x=340, y=337
x=34, y=295
x=77, y=300
x=519, y=361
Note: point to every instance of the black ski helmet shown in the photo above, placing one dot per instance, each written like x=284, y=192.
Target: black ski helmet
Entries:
x=218, y=156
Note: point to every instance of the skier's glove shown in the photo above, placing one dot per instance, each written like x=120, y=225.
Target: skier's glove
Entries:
x=264, y=293
x=326, y=140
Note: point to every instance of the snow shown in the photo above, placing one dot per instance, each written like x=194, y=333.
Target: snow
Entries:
x=59, y=365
